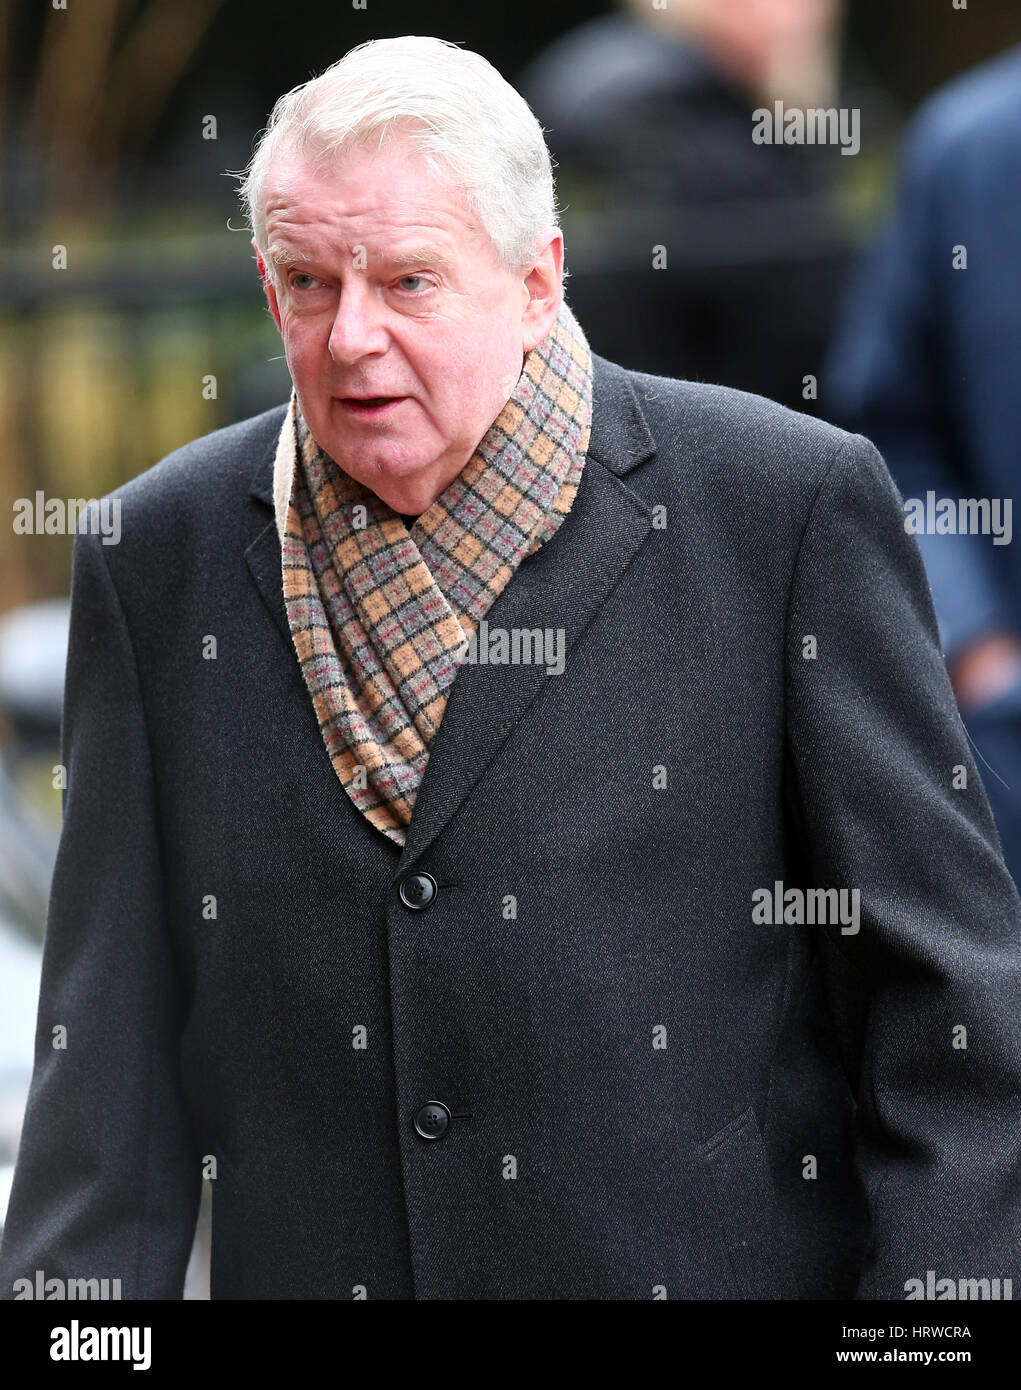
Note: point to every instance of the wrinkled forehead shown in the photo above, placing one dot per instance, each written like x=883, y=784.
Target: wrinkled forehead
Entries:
x=389, y=193
x=361, y=173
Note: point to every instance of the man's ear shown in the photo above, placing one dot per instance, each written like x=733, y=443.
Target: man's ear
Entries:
x=267, y=285
x=543, y=291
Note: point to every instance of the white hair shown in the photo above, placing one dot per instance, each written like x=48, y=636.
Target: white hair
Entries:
x=451, y=105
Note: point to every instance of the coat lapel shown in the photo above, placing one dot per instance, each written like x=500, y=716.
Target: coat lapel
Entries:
x=262, y=553
x=265, y=563
x=562, y=586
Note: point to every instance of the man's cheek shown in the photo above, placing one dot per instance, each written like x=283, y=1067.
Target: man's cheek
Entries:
x=300, y=360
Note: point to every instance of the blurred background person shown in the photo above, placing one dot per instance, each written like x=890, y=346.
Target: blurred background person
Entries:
x=650, y=115
x=928, y=365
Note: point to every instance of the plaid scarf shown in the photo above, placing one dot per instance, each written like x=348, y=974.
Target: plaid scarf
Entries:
x=380, y=615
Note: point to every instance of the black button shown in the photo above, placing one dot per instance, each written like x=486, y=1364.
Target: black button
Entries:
x=417, y=890
x=432, y=1120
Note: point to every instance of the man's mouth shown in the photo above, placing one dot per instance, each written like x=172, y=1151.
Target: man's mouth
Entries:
x=370, y=407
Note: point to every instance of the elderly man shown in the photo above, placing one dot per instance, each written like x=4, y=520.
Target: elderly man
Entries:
x=519, y=840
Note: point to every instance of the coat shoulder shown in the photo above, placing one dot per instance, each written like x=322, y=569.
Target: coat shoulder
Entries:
x=741, y=440
x=214, y=469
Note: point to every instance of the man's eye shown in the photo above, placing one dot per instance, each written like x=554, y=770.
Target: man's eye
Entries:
x=296, y=281
x=420, y=278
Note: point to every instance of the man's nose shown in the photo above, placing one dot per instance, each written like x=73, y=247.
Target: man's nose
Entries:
x=358, y=327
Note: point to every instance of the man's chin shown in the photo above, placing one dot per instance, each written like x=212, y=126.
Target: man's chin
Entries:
x=375, y=471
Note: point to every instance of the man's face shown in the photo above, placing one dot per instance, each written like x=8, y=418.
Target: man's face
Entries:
x=381, y=287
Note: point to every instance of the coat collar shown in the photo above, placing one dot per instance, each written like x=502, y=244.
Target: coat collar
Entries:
x=562, y=585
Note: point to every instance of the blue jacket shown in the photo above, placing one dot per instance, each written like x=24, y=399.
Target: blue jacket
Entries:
x=928, y=363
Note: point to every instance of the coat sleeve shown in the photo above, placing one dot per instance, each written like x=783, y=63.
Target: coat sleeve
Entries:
x=926, y=996
x=107, y=1180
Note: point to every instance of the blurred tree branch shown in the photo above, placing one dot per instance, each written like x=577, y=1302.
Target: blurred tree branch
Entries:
x=103, y=80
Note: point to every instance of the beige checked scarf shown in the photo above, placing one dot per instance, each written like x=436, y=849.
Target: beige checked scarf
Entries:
x=380, y=615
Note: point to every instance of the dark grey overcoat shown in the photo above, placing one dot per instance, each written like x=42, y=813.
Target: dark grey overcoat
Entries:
x=644, y=1085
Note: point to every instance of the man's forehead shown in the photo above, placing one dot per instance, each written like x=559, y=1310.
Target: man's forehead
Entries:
x=392, y=184
x=381, y=206
x=303, y=223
